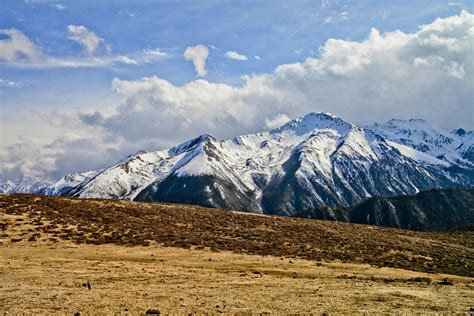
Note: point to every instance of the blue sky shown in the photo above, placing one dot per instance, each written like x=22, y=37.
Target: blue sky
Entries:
x=278, y=32
x=86, y=72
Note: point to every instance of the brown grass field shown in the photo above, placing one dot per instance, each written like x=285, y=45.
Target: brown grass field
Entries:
x=117, y=257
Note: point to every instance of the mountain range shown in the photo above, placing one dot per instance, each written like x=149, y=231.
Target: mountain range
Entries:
x=317, y=161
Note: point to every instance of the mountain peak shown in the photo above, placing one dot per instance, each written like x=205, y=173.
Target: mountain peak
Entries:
x=190, y=144
x=130, y=157
x=411, y=124
x=315, y=120
x=460, y=132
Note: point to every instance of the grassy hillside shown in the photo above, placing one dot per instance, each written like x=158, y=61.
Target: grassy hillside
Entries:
x=116, y=257
x=140, y=224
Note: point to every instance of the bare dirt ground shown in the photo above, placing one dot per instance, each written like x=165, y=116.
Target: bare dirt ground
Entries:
x=67, y=255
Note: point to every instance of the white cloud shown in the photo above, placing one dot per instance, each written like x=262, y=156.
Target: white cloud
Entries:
x=150, y=55
x=88, y=39
x=381, y=15
x=198, y=55
x=17, y=47
x=19, y=51
x=455, y=70
x=137, y=58
x=426, y=74
x=87, y=62
x=35, y=151
x=276, y=121
x=387, y=75
x=59, y=6
x=336, y=17
x=9, y=83
x=257, y=57
x=236, y=56
x=128, y=13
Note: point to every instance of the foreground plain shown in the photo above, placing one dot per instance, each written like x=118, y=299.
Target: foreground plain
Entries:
x=70, y=255
x=47, y=278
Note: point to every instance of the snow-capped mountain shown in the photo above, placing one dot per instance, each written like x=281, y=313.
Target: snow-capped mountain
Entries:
x=456, y=147
x=7, y=186
x=67, y=183
x=315, y=161
x=25, y=185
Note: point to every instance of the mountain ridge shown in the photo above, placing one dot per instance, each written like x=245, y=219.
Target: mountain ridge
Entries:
x=315, y=161
x=435, y=209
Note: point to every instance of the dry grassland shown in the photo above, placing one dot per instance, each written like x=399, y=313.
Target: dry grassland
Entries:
x=56, y=257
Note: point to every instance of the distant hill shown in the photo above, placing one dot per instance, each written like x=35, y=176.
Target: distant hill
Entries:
x=437, y=209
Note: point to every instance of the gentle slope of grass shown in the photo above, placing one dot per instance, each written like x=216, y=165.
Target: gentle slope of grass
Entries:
x=52, y=277
x=130, y=223
x=175, y=258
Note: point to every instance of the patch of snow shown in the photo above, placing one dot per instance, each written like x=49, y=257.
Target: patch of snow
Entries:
x=418, y=155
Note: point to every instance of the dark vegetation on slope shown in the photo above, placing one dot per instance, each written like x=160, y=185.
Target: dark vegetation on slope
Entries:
x=184, y=226
x=437, y=209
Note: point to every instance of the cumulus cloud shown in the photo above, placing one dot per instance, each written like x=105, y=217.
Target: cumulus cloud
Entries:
x=276, y=121
x=198, y=55
x=88, y=39
x=425, y=74
x=36, y=150
x=234, y=55
x=387, y=75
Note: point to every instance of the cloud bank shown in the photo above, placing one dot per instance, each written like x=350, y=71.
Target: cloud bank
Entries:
x=426, y=74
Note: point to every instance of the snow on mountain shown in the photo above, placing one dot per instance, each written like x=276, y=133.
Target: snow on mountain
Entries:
x=456, y=147
x=314, y=161
x=124, y=178
x=312, y=121
x=418, y=155
x=25, y=185
x=7, y=186
x=64, y=185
